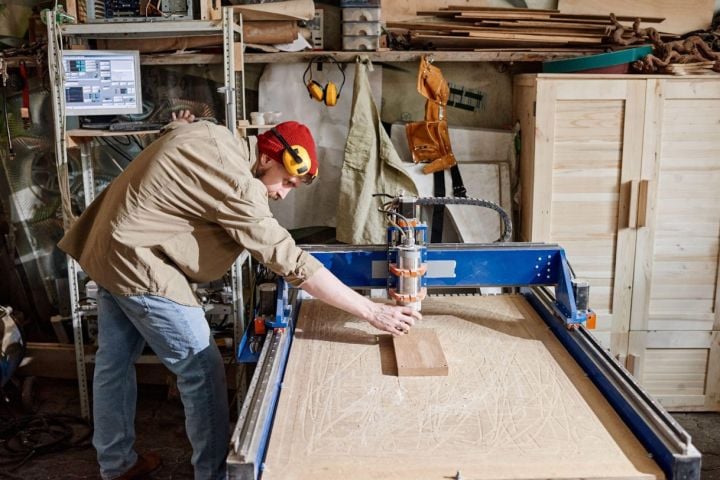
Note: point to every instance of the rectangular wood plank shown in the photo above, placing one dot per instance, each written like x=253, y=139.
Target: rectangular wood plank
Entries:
x=420, y=354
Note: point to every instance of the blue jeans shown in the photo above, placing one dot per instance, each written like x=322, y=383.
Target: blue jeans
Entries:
x=180, y=337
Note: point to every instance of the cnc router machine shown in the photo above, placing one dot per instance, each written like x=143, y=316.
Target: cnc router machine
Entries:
x=529, y=392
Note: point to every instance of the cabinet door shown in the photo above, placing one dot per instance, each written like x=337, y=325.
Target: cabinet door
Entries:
x=588, y=145
x=680, y=369
x=676, y=278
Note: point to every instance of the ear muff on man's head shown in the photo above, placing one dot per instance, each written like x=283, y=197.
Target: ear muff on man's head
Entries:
x=296, y=160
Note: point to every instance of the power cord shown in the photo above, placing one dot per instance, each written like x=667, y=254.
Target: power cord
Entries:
x=22, y=438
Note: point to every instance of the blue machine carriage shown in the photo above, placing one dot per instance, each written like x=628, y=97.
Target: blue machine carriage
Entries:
x=540, y=272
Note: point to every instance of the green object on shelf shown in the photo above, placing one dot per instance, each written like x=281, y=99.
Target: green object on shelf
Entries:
x=591, y=62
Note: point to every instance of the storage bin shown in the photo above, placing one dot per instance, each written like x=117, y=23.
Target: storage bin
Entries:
x=360, y=29
x=361, y=42
x=361, y=14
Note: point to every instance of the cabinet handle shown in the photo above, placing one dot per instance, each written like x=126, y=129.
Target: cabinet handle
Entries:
x=642, y=203
x=627, y=215
x=631, y=364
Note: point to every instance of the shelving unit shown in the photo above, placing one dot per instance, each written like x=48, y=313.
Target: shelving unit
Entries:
x=348, y=57
x=410, y=56
x=228, y=27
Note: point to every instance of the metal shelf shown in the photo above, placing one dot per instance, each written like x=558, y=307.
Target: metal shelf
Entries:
x=227, y=28
x=413, y=56
x=147, y=29
x=349, y=57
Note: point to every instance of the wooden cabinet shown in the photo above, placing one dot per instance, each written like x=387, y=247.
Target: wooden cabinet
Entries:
x=623, y=171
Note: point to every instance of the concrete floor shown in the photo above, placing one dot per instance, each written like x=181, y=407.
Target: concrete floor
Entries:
x=160, y=427
x=704, y=428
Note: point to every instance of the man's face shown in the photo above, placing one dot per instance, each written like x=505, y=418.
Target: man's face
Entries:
x=276, y=179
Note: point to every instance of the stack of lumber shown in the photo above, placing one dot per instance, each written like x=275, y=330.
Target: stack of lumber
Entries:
x=463, y=28
x=697, y=68
x=680, y=17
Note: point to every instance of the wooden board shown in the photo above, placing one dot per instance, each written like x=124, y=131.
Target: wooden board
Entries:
x=494, y=27
x=282, y=10
x=445, y=41
x=419, y=354
x=501, y=9
x=680, y=17
x=547, y=24
x=552, y=16
x=407, y=9
x=514, y=404
x=531, y=37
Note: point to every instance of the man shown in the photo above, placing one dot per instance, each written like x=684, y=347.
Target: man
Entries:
x=182, y=212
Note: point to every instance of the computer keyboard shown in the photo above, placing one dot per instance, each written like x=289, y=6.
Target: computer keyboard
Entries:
x=134, y=126
x=95, y=125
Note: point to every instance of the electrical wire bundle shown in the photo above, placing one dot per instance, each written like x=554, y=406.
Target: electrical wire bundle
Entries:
x=26, y=437
x=389, y=208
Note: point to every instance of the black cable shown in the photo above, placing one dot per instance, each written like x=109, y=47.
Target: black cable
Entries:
x=137, y=142
x=507, y=223
x=26, y=437
x=117, y=150
x=117, y=140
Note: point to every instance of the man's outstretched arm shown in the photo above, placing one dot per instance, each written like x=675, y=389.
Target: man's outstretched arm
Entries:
x=325, y=286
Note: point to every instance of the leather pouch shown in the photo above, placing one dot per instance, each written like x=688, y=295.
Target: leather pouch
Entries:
x=430, y=143
x=431, y=84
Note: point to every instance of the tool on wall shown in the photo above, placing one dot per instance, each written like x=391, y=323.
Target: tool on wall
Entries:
x=429, y=140
x=328, y=94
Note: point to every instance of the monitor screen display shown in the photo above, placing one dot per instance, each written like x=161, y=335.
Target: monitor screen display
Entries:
x=102, y=82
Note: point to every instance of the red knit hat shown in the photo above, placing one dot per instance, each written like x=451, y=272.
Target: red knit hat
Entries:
x=294, y=133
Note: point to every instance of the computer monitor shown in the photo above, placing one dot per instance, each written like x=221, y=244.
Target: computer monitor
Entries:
x=102, y=82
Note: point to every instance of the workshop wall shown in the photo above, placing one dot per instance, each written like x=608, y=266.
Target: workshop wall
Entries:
x=481, y=94
x=486, y=101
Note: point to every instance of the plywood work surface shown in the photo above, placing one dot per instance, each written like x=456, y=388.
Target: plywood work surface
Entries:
x=514, y=404
x=419, y=354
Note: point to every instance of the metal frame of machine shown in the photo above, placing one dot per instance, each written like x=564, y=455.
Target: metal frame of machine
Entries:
x=532, y=268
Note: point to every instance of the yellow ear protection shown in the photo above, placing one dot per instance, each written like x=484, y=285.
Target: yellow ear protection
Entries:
x=295, y=159
x=330, y=92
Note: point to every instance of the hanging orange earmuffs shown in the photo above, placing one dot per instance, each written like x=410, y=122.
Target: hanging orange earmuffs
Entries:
x=328, y=94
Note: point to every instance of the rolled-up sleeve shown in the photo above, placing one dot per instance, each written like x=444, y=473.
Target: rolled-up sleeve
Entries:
x=246, y=217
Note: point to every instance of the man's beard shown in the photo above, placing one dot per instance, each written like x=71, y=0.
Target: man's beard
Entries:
x=259, y=175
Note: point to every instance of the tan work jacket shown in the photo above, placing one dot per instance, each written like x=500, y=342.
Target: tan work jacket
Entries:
x=182, y=212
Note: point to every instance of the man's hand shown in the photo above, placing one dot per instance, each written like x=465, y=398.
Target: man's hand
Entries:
x=185, y=116
x=324, y=286
x=394, y=319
